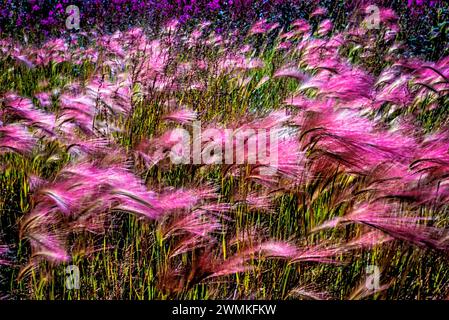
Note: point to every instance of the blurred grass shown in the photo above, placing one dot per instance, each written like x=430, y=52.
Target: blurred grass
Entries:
x=128, y=262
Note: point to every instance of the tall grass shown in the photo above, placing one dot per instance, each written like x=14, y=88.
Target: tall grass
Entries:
x=89, y=183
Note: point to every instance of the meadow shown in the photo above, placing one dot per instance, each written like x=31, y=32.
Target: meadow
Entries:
x=87, y=124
